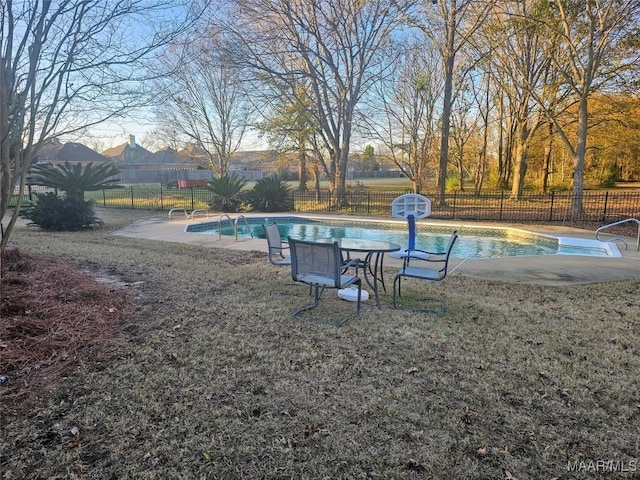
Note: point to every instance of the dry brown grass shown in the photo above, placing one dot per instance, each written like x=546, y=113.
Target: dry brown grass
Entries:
x=217, y=380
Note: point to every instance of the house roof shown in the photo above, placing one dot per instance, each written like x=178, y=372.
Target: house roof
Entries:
x=69, y=152
x=128, y=153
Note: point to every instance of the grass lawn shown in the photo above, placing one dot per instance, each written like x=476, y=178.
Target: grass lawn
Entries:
x=209, y=376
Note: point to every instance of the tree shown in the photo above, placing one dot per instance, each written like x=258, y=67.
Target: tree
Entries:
x=369, y=162
x=335, y=47
x=520, y=51
x=597, y=47
x=450, y=24
x=290, y=128
x=464, y=122
x=408, y=99
x=67, y=65
x=206, y=98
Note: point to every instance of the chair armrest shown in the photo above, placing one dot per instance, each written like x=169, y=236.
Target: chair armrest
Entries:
x=354, y=262
x=417, y=254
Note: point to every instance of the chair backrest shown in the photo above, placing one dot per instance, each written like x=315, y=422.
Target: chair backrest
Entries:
x=447, y=254
x=311, y=260
x=274, y=242
x=273, y=236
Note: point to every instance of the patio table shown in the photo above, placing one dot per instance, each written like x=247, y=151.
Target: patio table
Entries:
x=372, y=263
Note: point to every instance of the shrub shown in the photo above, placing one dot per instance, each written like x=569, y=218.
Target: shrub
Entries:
x=55, y=213
x=74, y=178
x=227, y=192
x=271, y=194
x=610, y=175
x=452, y=184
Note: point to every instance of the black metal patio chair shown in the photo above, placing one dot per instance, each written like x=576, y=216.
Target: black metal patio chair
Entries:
x=430, y=266
x=321, y=266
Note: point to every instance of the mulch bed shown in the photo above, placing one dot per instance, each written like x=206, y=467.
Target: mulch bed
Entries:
x=50, y=312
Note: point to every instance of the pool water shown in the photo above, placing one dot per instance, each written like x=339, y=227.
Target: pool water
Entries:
x=472, y=242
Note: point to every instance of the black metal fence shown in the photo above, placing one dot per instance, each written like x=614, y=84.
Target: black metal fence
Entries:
x=497, y=206
x=598, y=206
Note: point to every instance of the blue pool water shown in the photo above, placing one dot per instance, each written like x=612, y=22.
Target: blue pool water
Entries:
x=472, y=242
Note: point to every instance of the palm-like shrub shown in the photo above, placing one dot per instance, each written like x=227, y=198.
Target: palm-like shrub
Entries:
x=61, y=213
x=74, y=178
x=271, y=194
x=71, y=212
x=227, y=192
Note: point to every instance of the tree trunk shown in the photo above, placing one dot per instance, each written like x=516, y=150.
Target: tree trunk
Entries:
x=302, y=170
x=449, y=61
x=548, y=152
x=578, y=160
x=521, y=162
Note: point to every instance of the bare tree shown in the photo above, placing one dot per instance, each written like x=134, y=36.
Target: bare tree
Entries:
x=465, y=123
x=333, y=46
x=67, y=65
x=407, y=124
x=520, y=56
x=450, y=24
x=597, y=47
x=206, y=99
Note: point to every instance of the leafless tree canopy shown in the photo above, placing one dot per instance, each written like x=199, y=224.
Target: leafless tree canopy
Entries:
x=71, y=64
x=323, y=55
x=205, y=99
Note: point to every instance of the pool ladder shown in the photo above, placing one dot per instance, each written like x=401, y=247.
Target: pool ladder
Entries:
x=618, y=239
x=234, y=224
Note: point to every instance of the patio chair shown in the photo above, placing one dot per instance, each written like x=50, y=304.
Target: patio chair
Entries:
x=320, y=266
x=430, y=266
x=276, y=247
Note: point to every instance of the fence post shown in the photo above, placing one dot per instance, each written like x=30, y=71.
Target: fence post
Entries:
x=553, y=197
x=192, y=198
x=29, y=190
x=161, y=200
x=501, y=204
x=606, y=202
x=104, y=198
x=132, y=205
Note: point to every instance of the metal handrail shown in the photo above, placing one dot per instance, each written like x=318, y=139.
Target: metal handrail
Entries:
x=201, y=210
x=238, y=218
x=220, y=218
x=599, y=229
x=183, y=210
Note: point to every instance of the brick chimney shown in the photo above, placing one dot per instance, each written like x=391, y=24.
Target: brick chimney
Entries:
x=132, y=141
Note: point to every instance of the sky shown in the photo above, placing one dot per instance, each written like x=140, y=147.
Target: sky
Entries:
x=112, y=134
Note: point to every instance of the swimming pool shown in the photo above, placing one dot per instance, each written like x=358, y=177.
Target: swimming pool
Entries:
x=473, y=242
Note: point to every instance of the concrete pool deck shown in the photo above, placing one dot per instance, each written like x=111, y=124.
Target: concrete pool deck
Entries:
x=542, y=269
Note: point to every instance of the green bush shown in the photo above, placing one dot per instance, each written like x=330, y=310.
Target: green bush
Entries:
x=271, y=194
x=452, y=184
x=61, y=213
x=610, y=176
x=227, y=192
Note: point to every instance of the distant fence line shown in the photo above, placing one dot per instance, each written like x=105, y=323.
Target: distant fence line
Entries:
x=602, y=207
x=171, y=177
